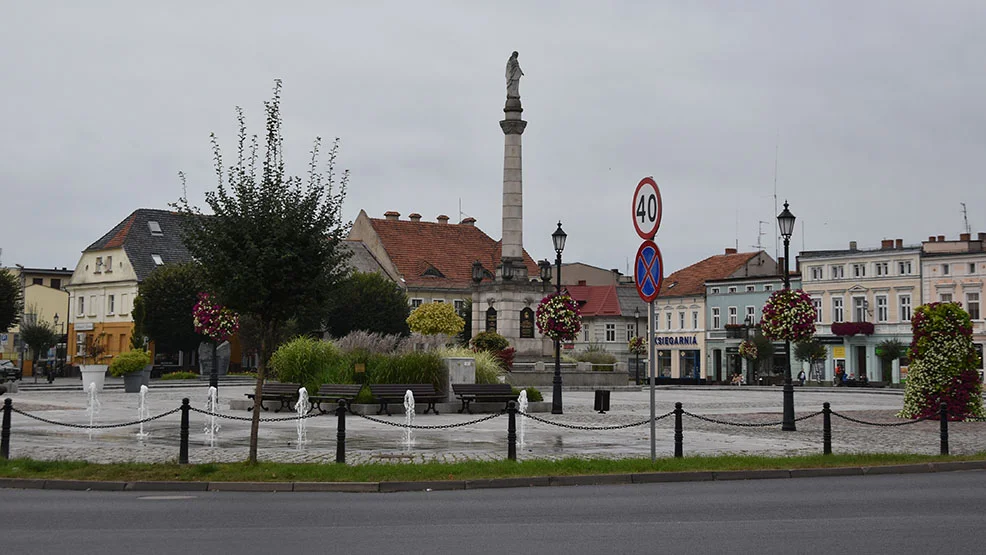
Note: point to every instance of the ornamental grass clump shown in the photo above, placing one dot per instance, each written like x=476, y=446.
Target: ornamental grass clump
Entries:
x=558, y=317
x=304, y=360
x=943, y=365
x=788, y=315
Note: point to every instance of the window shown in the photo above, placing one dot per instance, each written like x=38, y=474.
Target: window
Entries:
x=82, y=306
x=415, y=303
x=904, y=268
x=859, y=308
x=905, y=307
x=837, y=309
x=157, y=259
x=882, y=313
x=733, y=319
x=882, y=269
x=56, y=283
x=110, y=304
x=80, y=344
x=751, y=314
x=155, y=228
x=859, y=270
x=972, y=305
x=681, y=320
x=124, y=309
x=768, y=287
x=817, y=303
x=109, y=264
x=37, y=281
x=438, y=301
x=631, y=331
x=972, y=268
x=979, y=351
x=92, y=305
x=838, y=272
x=817, y=272
x=610, y=332
x=716, y=318
x=99, y=265
x=944, y=269
x=694, y=319
x=460, y=306
x=585, y=333
x=715, y=290
x=751, y=288
x=731, y=290
x=668, y=318
x=945, y=297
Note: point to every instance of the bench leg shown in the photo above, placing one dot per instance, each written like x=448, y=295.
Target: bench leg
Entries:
x=384, y=408
x=465, y=407
x=431, y=407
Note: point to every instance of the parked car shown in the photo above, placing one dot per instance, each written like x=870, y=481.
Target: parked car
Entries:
x=9, y=371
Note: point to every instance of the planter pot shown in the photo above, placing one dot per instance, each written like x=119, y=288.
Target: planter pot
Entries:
x=93, y=373
x=133, y=381
x=145, y=376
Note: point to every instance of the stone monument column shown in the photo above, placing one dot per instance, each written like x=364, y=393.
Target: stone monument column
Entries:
x=513, y=182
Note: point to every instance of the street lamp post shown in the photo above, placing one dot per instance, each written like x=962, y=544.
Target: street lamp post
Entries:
x=544, y=267
x=785, y=220
x=558, y=240
x=636, y=355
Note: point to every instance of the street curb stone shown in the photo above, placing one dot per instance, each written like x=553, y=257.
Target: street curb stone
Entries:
x=540, y=481
x=443, y=485
x=823, y=472
x=752, y=474
x=251, y=486
x=898, y=469
x=167, y=486
x=84, y=485
x=22, y=483
x=590, y=480
x=345, y=487
x=957, y=465
x=662, y=477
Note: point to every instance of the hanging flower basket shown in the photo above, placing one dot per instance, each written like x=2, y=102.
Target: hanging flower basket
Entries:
x=788, y=315
x=637, y=346
x=213, y=320
x=748, y=350
x=558, y=317
x=852, y=328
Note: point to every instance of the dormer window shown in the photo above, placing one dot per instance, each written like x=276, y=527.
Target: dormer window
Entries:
x=155, y=228
x=157, y=259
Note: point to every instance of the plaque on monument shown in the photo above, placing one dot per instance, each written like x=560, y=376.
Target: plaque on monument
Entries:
x=491, y=319
x=527, y=323
x=205, y=358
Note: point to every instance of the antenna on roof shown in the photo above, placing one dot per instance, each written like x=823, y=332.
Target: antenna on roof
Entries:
x=759, y=245
x=965, y=218
x=461, y=213
x=777, y=142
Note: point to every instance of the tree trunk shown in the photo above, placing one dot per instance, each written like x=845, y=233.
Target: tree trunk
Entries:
x=257, y=399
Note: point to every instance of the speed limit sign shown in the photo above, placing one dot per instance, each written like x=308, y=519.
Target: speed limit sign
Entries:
x=647, y=208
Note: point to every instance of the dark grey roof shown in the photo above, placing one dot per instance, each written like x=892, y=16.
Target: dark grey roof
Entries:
x=629, y=299
x=848, y=252
x=134, y=236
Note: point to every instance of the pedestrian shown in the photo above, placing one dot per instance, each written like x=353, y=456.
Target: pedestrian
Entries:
x=801, y=377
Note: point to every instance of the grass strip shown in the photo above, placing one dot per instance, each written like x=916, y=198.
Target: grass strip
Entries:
x=469, y=470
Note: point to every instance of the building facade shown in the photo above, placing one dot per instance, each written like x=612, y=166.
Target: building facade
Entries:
x=45, y=300
x=875, y=292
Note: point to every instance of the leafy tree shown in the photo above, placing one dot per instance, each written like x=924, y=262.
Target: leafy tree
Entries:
x=765, y=353
x=271, y=247
x=138, y=336
x=39, y=337
x=167, y=297
x=11, y=300
x=367, y=302
x=434, y=319
x=809, y=351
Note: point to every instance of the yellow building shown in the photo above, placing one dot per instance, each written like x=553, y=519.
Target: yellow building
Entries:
x=45, y=300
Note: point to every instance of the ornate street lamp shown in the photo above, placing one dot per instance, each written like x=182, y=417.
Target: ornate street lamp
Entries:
x=477, y=271
x=544, y=267
x=558, y=240
x=506, y=270
x=785, y=220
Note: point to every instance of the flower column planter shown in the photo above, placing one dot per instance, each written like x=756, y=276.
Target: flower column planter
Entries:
x=93, y=374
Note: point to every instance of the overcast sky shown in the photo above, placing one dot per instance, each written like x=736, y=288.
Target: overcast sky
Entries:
x=874, y=109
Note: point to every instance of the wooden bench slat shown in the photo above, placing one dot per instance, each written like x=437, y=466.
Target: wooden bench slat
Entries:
x=387, y=393
x=496, y=393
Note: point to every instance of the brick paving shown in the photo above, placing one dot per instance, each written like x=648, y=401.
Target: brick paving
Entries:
x=369, y=441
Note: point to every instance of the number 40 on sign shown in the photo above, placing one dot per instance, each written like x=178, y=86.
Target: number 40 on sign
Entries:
x=647, y=208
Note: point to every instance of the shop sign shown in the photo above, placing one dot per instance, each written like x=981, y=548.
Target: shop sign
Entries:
x=676, y=340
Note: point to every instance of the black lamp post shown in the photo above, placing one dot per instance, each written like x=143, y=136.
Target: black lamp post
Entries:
x=544, y=267
x=636, y=355
x=785, y=220
x=558, y=239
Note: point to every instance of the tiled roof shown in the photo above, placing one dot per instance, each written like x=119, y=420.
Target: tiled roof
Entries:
x=596, y=300
x=430, y=254
x=629, y=299
x=134, y=235
x=690, y=281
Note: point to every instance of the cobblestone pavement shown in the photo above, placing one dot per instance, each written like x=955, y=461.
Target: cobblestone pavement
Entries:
x=369, y=441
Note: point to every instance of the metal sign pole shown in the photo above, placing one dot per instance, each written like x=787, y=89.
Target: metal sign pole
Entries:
x=653, y=366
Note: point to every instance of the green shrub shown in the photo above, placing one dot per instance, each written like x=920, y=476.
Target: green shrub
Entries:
x=533, y=395
x=179, y=376
x=364, y=397
x=128, y=362
x=594, y=354
x=435, y=318
x=488, y=369
x=303, y=360
x=489, y=341
x=360, y=340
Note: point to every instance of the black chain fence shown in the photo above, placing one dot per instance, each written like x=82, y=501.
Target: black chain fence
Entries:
x=593, y=428
x=749, y=424
x=435, y=427
x=250, y=418
x=883, y=424
x=94, y=426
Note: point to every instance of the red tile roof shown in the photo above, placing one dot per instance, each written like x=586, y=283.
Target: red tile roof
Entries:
x=595, y=300
x=690, y=281
x=419, y=249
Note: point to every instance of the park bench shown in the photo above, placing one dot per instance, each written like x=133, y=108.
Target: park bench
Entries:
x=483, y=392
x=284, y=393
x=394, y=393
x=332, y=392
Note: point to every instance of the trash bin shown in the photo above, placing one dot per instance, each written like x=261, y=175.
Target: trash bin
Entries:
x=602, y=401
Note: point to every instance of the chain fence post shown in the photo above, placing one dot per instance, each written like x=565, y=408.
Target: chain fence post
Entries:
x=943, y=418
x=512, y=430
x=826, y=428
x=341, y=432
x=679, y=436
x=5, y=433
x=183, y=445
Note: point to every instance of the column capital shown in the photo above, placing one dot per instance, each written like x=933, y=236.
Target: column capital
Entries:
x=513, y=126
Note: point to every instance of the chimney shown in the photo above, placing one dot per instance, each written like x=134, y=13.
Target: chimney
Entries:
x=852, y=245
x=887, y=244
x=899, y=243
x=730, y=250
x=391, y=215
x=982, y=237
x=965, y=236
x=931, y=238
x=442, y=219
x=941, y=238
x=468, y=221
x=780, y=264
x=415, y=217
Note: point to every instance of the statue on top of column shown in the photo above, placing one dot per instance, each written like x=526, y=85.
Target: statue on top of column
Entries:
x=514, y=74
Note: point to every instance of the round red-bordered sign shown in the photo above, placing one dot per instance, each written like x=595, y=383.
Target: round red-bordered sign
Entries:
x=646, y=208
x=648, y=271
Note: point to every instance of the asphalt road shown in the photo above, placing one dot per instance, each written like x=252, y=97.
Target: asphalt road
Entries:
x=928, y=513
